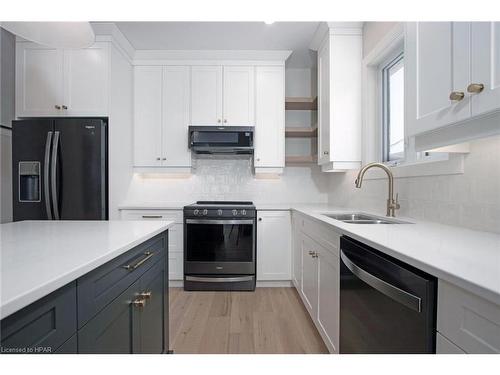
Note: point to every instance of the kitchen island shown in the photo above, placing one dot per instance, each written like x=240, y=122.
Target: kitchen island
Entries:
x=84, y=286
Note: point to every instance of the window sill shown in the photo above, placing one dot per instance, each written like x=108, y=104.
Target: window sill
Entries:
x=448, y=164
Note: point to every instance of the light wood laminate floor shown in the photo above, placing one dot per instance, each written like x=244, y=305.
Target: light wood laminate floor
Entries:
x=269, y=320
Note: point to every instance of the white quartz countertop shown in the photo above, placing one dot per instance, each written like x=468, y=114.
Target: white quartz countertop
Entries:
x=38, y=257
x=467, y=258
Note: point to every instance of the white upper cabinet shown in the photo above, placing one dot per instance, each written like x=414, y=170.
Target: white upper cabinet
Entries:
x=176, y=117
x=39, y=80
x=339, y=98
x=57, y=82
x=239, y=96
x=485, y=66
x=450, y=75
x=206, y=95
x=86, y=81
x=161, y=117
x=269, y=119
x=437, y=69
x=148, y=116
x=274, y=245
x=222, y=95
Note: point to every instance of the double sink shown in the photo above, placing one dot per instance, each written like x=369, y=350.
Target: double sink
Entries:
x=362, y=218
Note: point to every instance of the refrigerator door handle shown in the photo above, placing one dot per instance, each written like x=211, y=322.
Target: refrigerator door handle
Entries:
x=46, y=166
x=53, y=175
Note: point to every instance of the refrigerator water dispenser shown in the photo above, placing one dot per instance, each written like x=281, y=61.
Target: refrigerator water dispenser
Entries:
x=29, y=181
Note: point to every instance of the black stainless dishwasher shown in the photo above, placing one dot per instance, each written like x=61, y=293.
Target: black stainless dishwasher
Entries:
x=386, y=306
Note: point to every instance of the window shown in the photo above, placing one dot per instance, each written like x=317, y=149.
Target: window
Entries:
x=393, y=109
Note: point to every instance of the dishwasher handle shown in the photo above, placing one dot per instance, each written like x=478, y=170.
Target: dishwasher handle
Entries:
x=397, y=294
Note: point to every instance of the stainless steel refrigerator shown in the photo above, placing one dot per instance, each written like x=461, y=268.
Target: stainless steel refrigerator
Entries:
x=60, y=169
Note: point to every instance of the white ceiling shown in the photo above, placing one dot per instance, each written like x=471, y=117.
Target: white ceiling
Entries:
x=294, y=36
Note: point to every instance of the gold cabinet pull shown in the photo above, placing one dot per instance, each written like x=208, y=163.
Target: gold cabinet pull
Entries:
x=140, y=302
x=145, y=295
x=132, y=267
x=475, y=88
x=57, y=106
x=64, y=107
x=456, y=96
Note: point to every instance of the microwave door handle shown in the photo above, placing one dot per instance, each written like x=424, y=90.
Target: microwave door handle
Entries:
x=46, y=176
x=397, y=294
x=55, y=204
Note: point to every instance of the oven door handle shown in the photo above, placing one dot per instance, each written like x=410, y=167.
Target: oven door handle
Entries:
x=397, y=294
x=210, y=221
x=219, y=279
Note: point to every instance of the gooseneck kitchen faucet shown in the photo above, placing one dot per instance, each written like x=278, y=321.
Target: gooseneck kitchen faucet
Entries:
x=392, y=204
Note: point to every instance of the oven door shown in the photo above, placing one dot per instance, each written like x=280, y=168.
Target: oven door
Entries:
x=219, y=246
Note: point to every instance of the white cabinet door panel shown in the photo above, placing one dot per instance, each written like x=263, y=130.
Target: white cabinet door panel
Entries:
x=175, y=265
x=297, y=250
x=436, y=64
x=86, y=81
x=39, y=80
x=270, y=117
x=444, y=346
x=273, y=245
x=309, y=277
x=239, y=96
x=328, y=298
x=176, y=116
x=147, y=116
x=324, y=104
x=206, y=95
x=486, y=66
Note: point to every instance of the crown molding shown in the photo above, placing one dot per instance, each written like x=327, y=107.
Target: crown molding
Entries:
x=334, y=28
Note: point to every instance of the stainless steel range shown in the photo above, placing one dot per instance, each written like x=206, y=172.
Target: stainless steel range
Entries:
x=219, y=246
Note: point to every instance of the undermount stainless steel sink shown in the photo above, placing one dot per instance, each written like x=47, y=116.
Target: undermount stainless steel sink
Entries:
x=361, y=218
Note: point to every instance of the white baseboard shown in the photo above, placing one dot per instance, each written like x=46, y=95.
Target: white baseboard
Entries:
x=175, y=283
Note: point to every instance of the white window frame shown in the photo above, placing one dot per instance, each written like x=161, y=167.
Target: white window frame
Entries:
x=414, y=163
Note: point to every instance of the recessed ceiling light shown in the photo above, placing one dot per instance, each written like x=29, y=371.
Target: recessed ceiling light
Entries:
x=268, y=22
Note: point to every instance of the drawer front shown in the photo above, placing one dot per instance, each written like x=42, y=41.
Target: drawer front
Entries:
x=323, y=234
x=469, y=321
x=99, y=287
x=43, y=326
x=173, y=215
x=445, y=346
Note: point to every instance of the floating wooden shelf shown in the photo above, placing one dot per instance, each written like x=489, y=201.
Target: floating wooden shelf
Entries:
x=301, y=159
x=301, y=103
x=301, y=132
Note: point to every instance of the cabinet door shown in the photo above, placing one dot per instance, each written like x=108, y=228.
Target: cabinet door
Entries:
x=324, y=104
x=175, y=121
x=436, y=64
x=328, y=298
x=297, y=251
x=486, y=66
x=273, y=245
x=86, y=81
x=206, y=95
x=39, y=80
x=239, y=95
x=147, y=116
x=153, y=320
x=115, y=329
x=270, y=117
x=309, y=276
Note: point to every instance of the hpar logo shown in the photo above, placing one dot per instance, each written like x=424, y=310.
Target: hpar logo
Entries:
x=42, y=349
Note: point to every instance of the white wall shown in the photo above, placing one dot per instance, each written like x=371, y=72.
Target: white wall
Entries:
x=228, y=178
x=7, y=112
x=373, y=32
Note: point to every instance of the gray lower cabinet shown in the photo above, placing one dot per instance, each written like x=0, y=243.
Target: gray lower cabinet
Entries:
x=104, y=311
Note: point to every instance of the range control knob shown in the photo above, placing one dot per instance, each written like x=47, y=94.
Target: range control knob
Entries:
x=196, y=212
x=219, y=212
x=235, y=212
x=244, y=212
x=205, y=212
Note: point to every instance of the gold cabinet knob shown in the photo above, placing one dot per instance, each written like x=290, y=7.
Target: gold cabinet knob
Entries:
x=145, y=295
x=64, y=107
x=325, y=152
x=457, y=96
x=139, y=302
x=475, y=88
x=57, y=106
x=218, y=121
x=158, y=158
x=225, y=120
